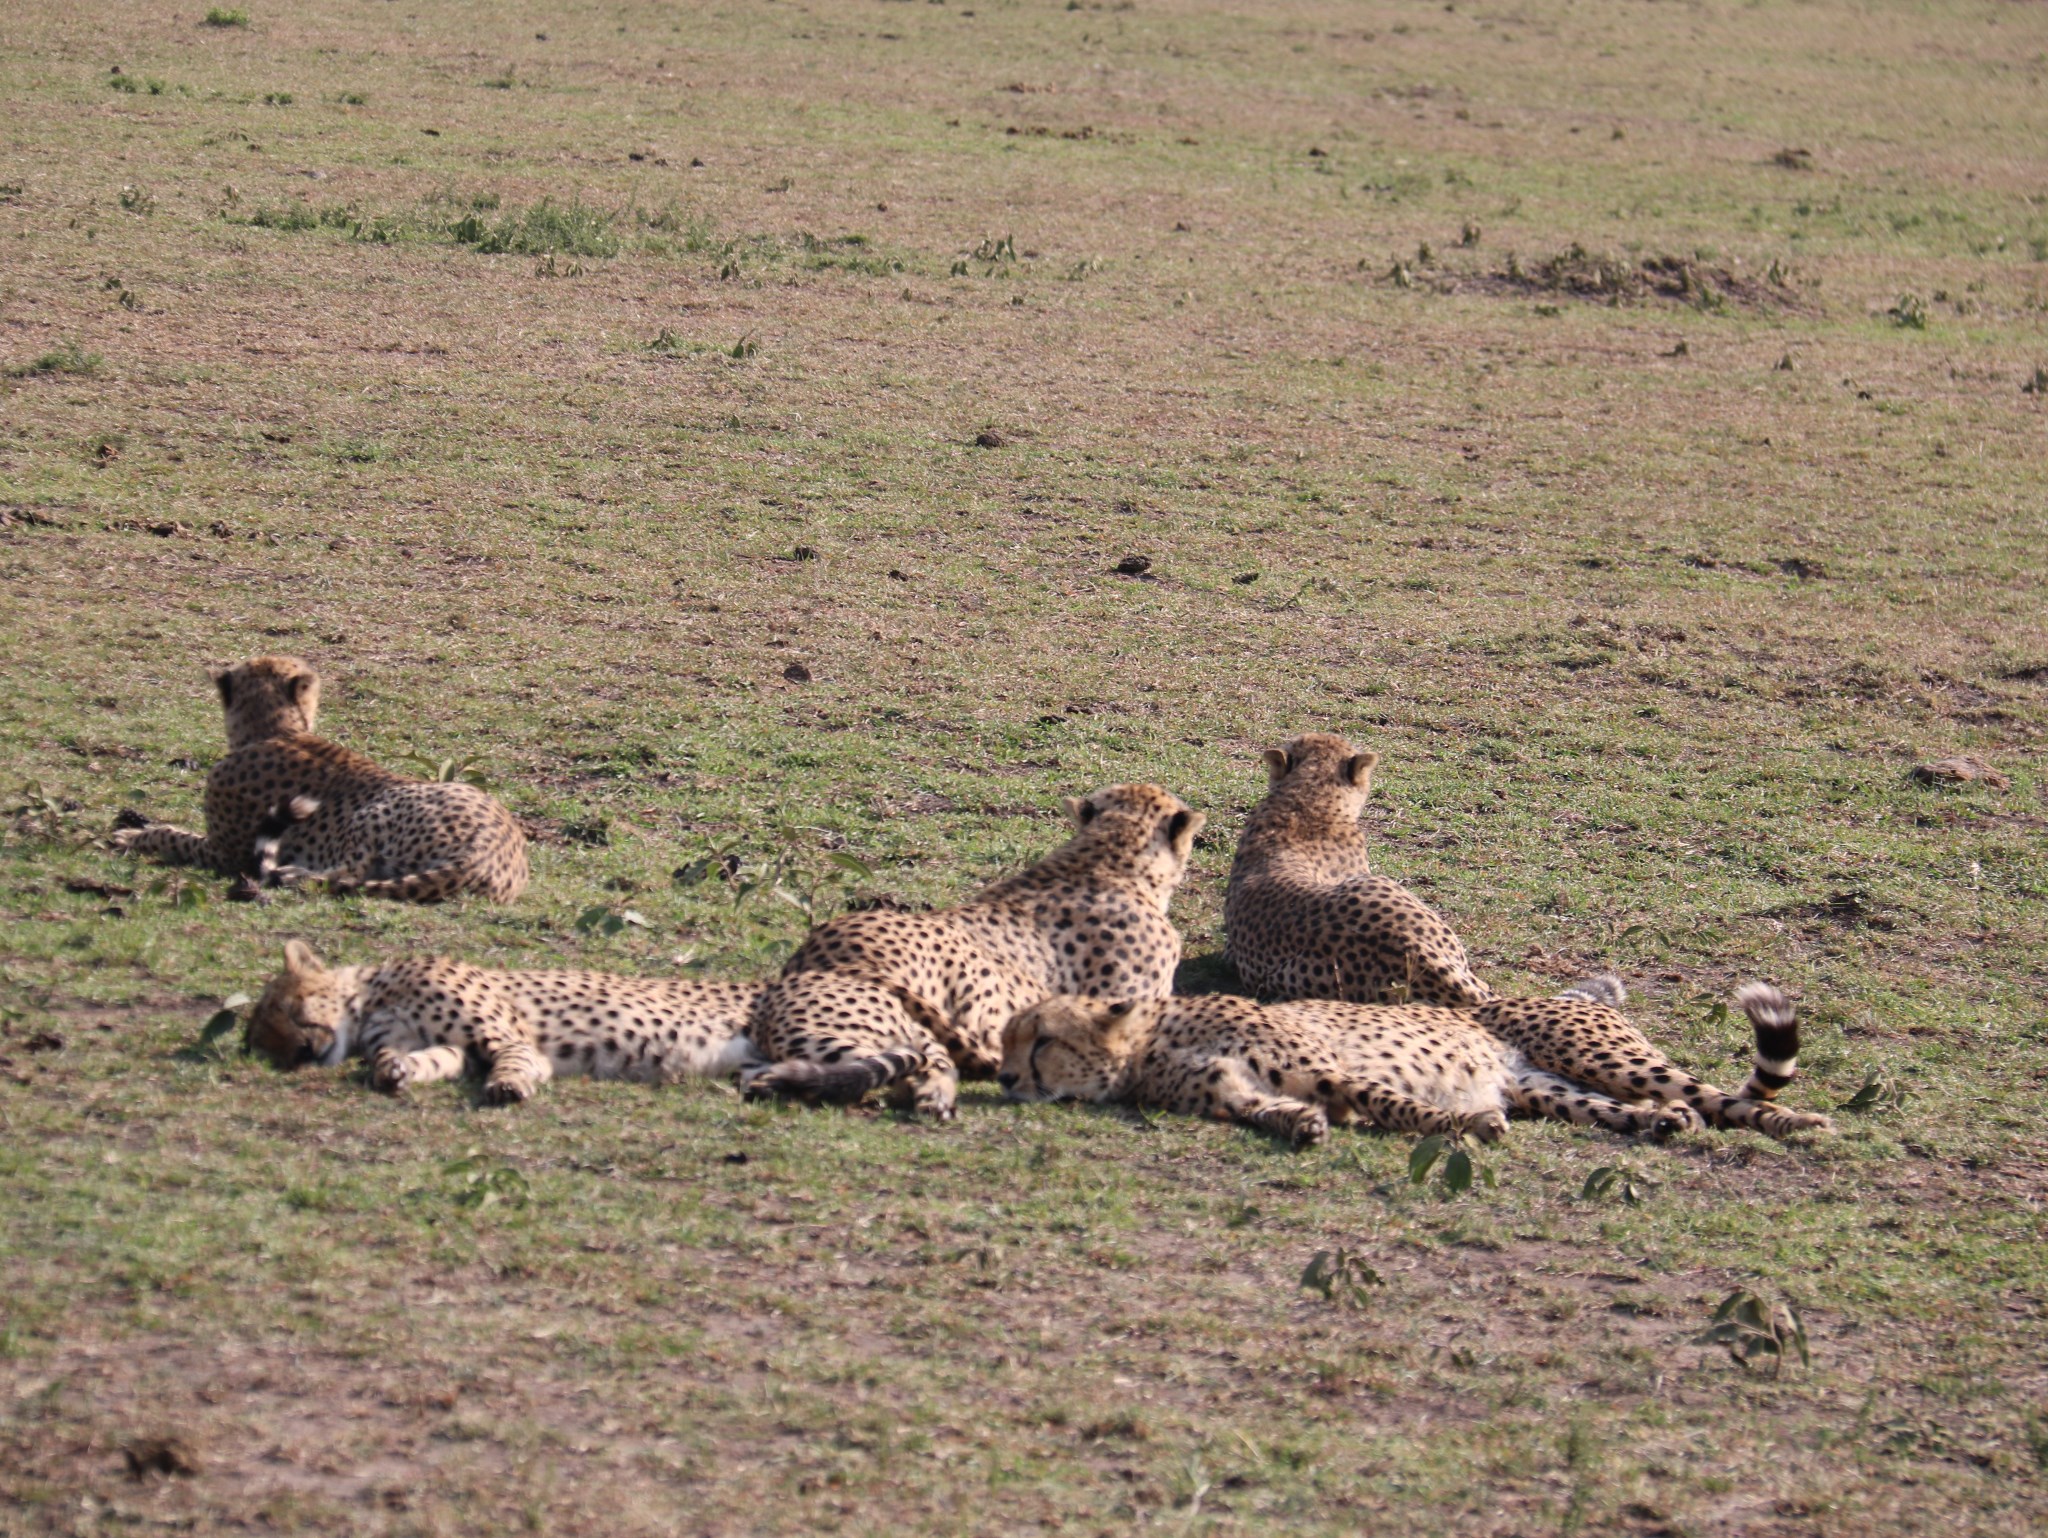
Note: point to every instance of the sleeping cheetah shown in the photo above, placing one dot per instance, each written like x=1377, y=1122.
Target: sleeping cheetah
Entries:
x=910, y=1001
x=354, y=825
x=1293, y=1069
x=1305, y=917
x=424, y=1018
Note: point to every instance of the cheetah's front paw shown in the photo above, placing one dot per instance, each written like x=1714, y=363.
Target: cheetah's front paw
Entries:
x=507, y=1091
x=1671, y=1119
x=390, y=1072
x=1487, y=1126
x=1303, y=1126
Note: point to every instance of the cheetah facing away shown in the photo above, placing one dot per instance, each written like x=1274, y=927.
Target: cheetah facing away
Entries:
x=1305, y=917
x=910, y=1001
x=353, y=824
x=427, y=1018
x=1294, y=1069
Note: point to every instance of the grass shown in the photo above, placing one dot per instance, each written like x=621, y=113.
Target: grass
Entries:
x=1648, y=628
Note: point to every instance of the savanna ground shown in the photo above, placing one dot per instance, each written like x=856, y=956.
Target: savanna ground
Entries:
x=1627, y=418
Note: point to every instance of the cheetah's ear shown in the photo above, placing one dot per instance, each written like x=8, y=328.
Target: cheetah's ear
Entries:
x=300, y=961
x=1277, y=765
x=1080, y=813
x=1182, y=827
x=1358, y=768
x=303, y=684
x=224, y=680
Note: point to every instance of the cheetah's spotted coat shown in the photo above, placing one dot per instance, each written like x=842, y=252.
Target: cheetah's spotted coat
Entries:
x=1293, y=1069
x=426, y=1018
x=1305, y=917
x=363, y=828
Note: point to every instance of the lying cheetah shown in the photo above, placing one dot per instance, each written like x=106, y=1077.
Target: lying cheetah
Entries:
x=910, y=1001
x=1293, y=1069
x=356, y=826
x=424, y=1018
x=1305, y=917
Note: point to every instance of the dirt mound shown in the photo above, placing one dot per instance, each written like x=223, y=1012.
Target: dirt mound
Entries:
x=1577, y=273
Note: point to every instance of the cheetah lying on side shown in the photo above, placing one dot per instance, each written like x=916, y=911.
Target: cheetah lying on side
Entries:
x=910, y=1001
x=425, y=1018
x=1305, y=917
x=355, y=825
x=1293, y=1069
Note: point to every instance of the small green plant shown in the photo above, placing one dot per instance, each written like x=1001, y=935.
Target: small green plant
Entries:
x=1909, y=313
x=1879, y=1092
x=178, y=891
x=1617, y=1180
x=479, y=1183
x=1458, y=1165
x=222, y=1023
x=137, y=85
x=600, y=920
x=71, y=358
x=220, y=16
x=353, y=99
x=138, y=200
x=1747, y=1327
x=277, y=98
x=744, y=348
x=1341, y=1277
x=449, y=771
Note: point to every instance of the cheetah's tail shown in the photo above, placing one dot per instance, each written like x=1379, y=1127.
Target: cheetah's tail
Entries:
x=1777, y=1040
x=418, y=886
x=271, y=831
x=837, y=1082
x=1605, y=988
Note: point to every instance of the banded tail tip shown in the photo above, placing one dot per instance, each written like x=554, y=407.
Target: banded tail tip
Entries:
x=1776, y=1024
x=1605, y=988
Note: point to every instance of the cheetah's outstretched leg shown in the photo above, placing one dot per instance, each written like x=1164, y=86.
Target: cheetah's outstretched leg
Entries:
x=1232, y=1092
x=1392, y=1110
x=162, y=842
x=920, y=1079
x=1545, y=1094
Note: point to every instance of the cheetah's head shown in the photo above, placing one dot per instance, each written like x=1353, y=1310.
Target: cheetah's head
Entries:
x=267, y=697
x=1072, y=1048
x=1320, y=763
x=302, y=1016
x=1141, y=829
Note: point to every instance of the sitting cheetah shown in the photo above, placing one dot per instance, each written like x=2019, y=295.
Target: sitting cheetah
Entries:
x=424, y=1018
x=1305, y=917
x=1293, y=1069
x=353, y=824
x=910, y=1001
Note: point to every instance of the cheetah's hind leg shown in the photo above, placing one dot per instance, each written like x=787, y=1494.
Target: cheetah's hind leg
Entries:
x=1546, y=1094
x=918, y=1079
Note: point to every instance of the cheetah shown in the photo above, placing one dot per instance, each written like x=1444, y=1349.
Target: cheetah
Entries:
x=908, y=1002
x=353, y=824
x=425, y=1018
x=1305, y=917
x=1294, y=1069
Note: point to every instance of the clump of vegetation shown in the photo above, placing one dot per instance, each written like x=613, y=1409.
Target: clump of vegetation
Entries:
x=71, y=358
x=1910, y=313
x=221, y=16
x=564, y=229
x=277, y=98
x=136, y=85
